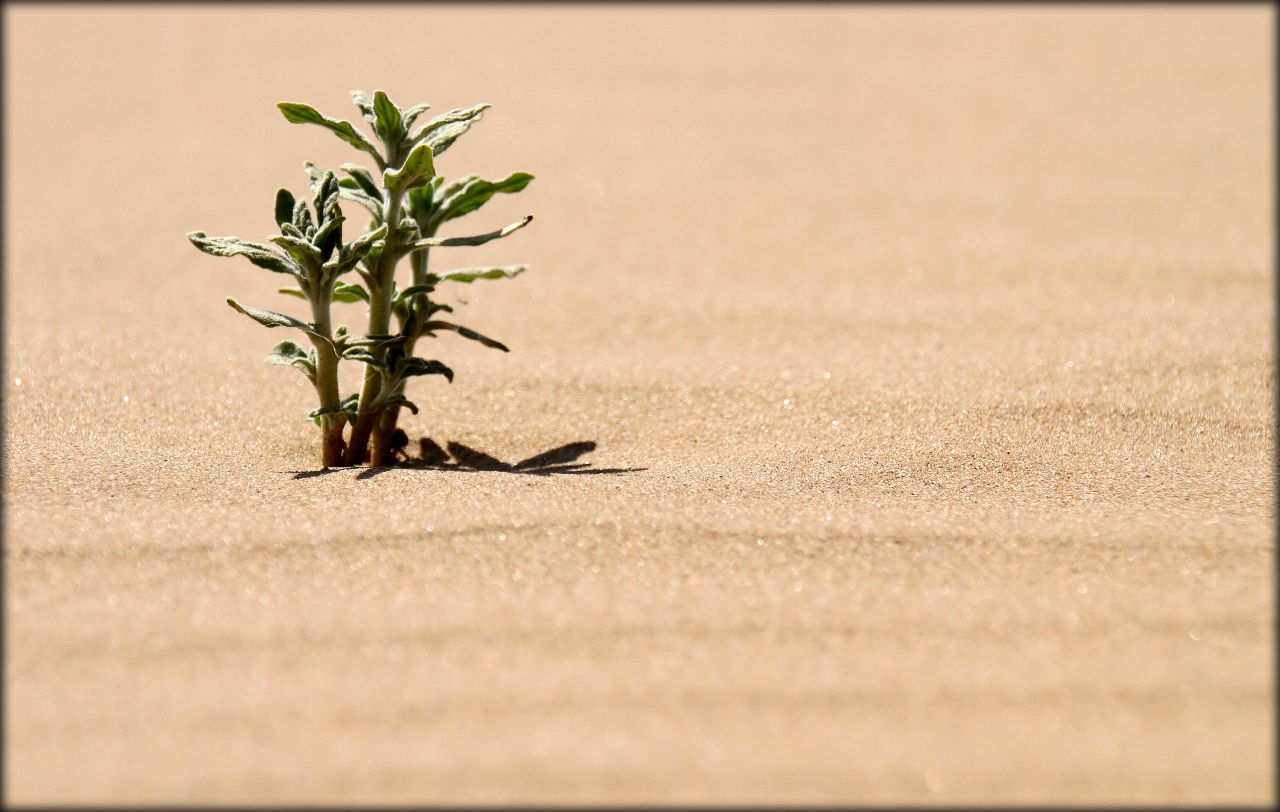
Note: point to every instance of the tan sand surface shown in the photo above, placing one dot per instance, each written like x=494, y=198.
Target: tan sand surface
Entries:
x=939, y=342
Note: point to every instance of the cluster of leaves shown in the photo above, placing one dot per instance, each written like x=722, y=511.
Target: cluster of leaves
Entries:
x=407, y=203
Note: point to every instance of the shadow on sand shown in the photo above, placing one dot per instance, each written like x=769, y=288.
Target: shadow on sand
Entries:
x=431, y=457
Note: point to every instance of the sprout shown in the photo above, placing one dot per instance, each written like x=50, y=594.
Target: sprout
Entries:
x=407, y=202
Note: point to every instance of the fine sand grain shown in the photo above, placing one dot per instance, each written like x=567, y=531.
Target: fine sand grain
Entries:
x=934, y=345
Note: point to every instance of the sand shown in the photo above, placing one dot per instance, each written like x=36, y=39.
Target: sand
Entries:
x=930, y=351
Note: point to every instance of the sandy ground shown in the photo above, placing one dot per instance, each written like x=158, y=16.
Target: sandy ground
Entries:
x=937, y=344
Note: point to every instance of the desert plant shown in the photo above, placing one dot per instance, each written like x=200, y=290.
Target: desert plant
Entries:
x=412, y=202
x=312, y=252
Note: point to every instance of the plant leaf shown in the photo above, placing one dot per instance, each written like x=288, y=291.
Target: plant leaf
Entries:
x=411, y=115
x=297, y=113
x=364, y=179
x=286, y=353
x=440, y=132
x=363, y=355
x=302, y=218
x=479, y=239
x=257, y=253
x=365, y=104
x=301, y=250
x=364, y=246
x=378, y=341
x=342, y=292
x=468, y=275
x=465, y=332
x=329, y=236
x=401, y=400
x=411, y=367
x=269, y=318
x=295, y=292
x=418, y=168
x=387, y=122
x=284, y=207
x=475, y=191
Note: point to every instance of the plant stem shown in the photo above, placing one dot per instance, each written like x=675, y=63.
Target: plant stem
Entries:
x=379, y=324
x=327, y=380
x=418, y=263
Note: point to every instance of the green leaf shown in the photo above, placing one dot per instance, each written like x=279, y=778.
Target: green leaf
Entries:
x=365, y=104
x=440, y=132
x=350, y=405
x=257, y=253
x=342, y=292
x=411, y=115
x=363, y=355
x=468, y=275
x=286, y=353
x=329, y=236
x=316, y=414
x=411, y=367
x=418, y=168
x=302, y=217
x=364, y=179
x=401, y=400
x=295, y=292
x=378, y=341
x=363, y=246
x=387, y=122
x=465, y=332
x=306, y=114
x=284, y=207
x=479, y=239
x=301, y=250
x=473, y=192
x=414, y=290
x=269, y=318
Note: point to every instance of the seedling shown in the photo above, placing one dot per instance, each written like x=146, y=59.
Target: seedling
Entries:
x=408, y=203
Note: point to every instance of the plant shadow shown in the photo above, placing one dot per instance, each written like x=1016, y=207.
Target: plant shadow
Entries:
x=431, y=457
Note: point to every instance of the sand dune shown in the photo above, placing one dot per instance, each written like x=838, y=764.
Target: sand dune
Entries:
x=927, y=355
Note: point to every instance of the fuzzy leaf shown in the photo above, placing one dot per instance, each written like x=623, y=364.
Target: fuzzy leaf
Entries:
x=295, y=292
x=306, y=114
x=418, y=168
x=257, y=253
x=411, y=115
x=387, y=122
x=284, y=207
x=329, y=236
x=468, y=275
x=465, y=332
x=440, y=132
x=364, y=179
x=401, y=400
x=363, y=355
x=378, y=341
x=269, y=318
x=479, y=239
x=286, y=353
x=475, y=191
x=301, y=250
x=302, y=217
x=363, y=246
x=342, y=292
x=365, y=104
x=412, y=367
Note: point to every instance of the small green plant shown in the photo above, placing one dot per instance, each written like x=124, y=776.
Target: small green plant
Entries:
x=407, y=203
